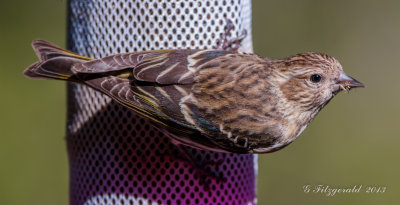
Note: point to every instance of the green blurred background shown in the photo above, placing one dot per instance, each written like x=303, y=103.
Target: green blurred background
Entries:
x=353, y=141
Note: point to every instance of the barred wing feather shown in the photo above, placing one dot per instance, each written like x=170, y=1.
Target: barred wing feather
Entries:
x=151, y=83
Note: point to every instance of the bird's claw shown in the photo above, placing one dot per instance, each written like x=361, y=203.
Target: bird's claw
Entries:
x=201, y=166
x=232, y=44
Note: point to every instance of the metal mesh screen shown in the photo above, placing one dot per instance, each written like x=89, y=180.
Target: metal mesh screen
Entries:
x=115, y=156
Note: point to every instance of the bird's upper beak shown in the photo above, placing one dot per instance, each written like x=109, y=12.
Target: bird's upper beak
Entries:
x=347, y=82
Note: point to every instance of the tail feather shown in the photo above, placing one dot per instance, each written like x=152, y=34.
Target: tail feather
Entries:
x=55, y=62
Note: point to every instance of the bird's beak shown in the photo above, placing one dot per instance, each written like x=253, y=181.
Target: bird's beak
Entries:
x=346, y=82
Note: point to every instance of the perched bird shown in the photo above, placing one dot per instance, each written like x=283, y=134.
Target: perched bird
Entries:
x=210, y=99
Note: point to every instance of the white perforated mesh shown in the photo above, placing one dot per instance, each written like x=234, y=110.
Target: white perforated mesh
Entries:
x=115, y=156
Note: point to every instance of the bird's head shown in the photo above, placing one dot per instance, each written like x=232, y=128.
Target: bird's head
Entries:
x=309, y=80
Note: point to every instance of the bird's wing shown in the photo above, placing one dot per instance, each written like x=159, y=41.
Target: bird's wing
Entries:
x=174, y=67
x=152, y=83
x=160, y=66
x=116, y=62
x=123, y=91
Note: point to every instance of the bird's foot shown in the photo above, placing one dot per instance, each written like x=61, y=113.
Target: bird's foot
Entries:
x=204, y=168
x=232, y=44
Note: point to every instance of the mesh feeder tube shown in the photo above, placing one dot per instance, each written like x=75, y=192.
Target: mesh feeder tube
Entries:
x=117, y=157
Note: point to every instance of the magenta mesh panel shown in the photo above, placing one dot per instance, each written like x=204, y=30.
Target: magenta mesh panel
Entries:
x=117, y=157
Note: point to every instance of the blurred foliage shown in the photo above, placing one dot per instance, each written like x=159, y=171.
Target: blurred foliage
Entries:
x=353, y=141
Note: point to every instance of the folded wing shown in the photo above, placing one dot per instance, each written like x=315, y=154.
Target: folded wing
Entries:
x=152, y=83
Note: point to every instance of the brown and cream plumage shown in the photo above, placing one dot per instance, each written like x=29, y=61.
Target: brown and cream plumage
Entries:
x=211, y=99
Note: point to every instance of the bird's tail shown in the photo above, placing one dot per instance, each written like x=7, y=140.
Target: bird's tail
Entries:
x=54, y=62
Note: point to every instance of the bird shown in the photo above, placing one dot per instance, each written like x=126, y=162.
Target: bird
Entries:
x=211, y=99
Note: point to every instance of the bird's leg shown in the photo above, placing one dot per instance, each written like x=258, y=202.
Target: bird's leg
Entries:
x=201, y=166
x=232, y=44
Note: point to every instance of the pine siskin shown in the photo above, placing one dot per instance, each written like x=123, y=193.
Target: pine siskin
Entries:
x=210, y=99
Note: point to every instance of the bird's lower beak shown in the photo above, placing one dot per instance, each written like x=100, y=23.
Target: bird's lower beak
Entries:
x=347, y=82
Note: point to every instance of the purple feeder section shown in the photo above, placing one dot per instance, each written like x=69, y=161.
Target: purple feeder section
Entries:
x=115, y=156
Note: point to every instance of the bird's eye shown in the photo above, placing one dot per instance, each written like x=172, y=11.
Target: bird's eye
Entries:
x=315, y=78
